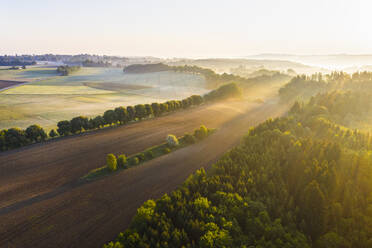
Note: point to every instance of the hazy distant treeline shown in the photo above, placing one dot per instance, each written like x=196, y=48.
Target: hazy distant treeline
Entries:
x=15, y=61
x=213, y=79
x=80, y=59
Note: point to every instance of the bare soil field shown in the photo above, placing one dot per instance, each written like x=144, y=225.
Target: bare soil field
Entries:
x=43, y=203
x=6, y=83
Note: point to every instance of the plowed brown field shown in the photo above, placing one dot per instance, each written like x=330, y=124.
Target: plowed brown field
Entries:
x=43, y=204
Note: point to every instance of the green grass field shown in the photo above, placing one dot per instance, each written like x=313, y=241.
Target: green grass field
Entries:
x=49, y=98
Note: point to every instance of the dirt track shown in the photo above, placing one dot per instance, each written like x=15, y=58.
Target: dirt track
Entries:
x=42, y=205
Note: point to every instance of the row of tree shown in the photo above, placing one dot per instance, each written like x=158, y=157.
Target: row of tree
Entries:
x=121, y=161
x=296, y=181
x=15, y=137
x=123, y=115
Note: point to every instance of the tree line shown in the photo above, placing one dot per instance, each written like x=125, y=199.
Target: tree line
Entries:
x=295, y=181
x=124, y=115
x=212, y=79
x=15, y=137
x=302, y=87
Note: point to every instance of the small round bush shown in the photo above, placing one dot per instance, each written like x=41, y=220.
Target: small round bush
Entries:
x=189, y=139
x=172, y=140
x=111, y=162
x=201, y=133
x=149, y=154
x=122, y=161
x=167, y=150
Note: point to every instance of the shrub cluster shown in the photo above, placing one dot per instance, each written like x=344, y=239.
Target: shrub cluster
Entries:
x=67, y=70
x=172, y=140
x=113, y=162
x=16, y=137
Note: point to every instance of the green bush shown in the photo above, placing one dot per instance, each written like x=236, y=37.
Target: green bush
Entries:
x=111, y=162
x=122, y=161
x=201, y=133
x=189, y=139
x=149, y=154
x=167, y=150
x=135, y=161
x=141, y=156
x=53, y=133
x=172, y=140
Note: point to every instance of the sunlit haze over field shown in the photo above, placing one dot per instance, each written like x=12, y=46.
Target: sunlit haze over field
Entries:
x=186, y=123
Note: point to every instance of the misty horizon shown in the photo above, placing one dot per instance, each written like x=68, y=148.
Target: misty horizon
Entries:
x=193, y=30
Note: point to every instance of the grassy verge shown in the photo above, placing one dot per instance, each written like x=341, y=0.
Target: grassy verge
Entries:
x=147, y=155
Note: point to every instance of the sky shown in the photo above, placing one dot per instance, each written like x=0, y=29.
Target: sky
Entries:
x=192, y=28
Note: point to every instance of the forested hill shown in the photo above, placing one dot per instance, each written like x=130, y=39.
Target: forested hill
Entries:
x=213, y=79
x=352, y=109
x=296, y=181
x=303, y=87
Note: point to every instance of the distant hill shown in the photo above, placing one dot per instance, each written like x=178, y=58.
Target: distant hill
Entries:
x=221, y=65
x=348, y=62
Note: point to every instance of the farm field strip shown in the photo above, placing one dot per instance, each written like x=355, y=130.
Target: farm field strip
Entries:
x=49, y=98
x=105, y=207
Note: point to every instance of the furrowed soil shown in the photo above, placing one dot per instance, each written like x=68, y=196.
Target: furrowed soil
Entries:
x=44, y=204
x=6, y=83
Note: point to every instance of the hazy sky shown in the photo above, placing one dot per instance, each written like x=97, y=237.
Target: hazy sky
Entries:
x=192, y=28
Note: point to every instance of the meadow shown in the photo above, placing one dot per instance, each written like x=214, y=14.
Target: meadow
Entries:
x=48, y=97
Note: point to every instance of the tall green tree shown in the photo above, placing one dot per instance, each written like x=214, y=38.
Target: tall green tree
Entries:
x=78, y=124
x=131, y=113
x=140, y=111
x=149, y=111
x=109, y=116
x=35, y=133
x=121, y=114
x=156, y=108
x=64, y=127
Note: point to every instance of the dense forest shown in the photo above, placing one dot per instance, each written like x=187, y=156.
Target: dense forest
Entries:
x=296, y=181
x=302, y=87
x=348, y=108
